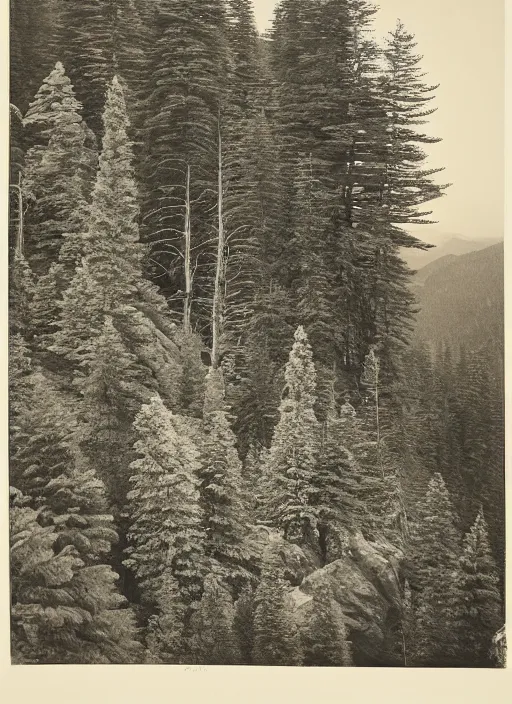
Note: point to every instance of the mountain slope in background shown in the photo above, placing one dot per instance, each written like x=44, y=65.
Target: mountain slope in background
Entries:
x=445, y=245
x=461, y=300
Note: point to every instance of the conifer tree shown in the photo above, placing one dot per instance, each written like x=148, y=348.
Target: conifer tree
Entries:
x=243, y=38
x=276, y=638
x=243, y=624
x=189, y=65
x=340, y=483
x=112, y=264
x=84, y=620
x=214, y=641
x=435, y=553
x=222, y=499
x=20, y=379
x=165, y=520
x=113, y=391
x=293, y=455
x=21, y=291
x=478, y=608
x=325, y=643
x=58, y=171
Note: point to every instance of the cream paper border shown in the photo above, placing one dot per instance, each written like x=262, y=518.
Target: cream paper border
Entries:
x=196, y=685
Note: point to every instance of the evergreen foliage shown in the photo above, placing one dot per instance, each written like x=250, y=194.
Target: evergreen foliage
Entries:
x=171, y=459
x=435, y=555
x=221, y=488
x=165, y=519
x=478, y=605
x=276, y=638
x=325, y=641
x=214, y=641
x=293, y=455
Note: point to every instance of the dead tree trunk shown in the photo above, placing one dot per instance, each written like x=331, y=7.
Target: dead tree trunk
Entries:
x=220, y=272
x=187, y=302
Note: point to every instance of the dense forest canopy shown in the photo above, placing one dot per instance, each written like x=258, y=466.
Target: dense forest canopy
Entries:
x=221, y=433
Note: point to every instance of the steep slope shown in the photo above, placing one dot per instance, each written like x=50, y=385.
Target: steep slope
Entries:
x=461, y=301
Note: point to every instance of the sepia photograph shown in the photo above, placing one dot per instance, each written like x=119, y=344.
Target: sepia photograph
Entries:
x=256, y=354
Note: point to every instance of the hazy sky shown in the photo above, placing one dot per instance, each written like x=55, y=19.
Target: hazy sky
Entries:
x=462, y=42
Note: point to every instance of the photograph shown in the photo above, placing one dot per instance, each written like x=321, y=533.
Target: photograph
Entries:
x=256, y=333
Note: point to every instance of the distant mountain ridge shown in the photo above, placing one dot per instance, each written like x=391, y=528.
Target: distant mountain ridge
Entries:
x=461, y=300
x=445, y=245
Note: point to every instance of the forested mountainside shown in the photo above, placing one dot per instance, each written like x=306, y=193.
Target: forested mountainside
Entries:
x=224, y=447
x=461, y=301
x=443, y=246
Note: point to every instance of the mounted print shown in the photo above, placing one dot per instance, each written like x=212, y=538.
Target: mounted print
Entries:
x=256, y=333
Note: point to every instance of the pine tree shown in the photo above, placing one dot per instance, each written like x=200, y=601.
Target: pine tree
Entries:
x=214, y=641
x=58, y=171
x=189, y=66
x=478, y=606
x=293, y=455
x=341, y=485
x=325, y=642
x=113, y=390
x=84, y=619
x=243, y=624
x=21, y=291
x=165, y=520
x=434, y=557
x=276, y=639
x=221, y=488
x=112, y=264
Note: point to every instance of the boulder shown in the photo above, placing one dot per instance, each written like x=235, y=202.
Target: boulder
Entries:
x=365, y=584
x=297, y=562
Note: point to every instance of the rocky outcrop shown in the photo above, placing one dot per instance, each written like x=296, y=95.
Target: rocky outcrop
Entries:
x=365, y=584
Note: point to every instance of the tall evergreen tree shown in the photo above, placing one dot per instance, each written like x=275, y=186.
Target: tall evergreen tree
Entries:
x=325, y=640
x=221, y=488
x=435, y=553
x=58, y=172
x=83, y=621
x=189, y=65
x=112, y=259
x=478, y=606
x=276, y=638
x=293, y=455
x=214, y=641
x=165, y=531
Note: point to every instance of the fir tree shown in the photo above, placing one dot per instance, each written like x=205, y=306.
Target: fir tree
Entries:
x=112, y=264
x=85, y=618
x=221, y=487
x=294, y=451
x=113, y=390
x=340, y=483
x=243, y=624
x=58, y=171
x=478, y=606
x=165, y=520
x=214, y=641
x=325, y=642
x=435, y=554
x=276, y=639
x=189, y=65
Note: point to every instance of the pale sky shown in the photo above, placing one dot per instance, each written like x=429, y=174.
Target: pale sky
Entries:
x=462, y=42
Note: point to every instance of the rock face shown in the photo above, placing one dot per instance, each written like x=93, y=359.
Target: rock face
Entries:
x=365, y=584
x=297, y=562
